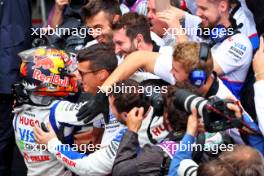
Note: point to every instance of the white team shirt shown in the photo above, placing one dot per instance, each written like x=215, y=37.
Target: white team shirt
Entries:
x=259, y=105
x=233, y=55
x=40, y=161
x=101, y=161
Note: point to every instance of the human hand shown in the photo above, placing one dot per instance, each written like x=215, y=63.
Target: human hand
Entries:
x=192, y=124
x=42, y=137
x=172, y=16
x=95, y=105
x=60, y=4
x=134, y=119
x=258, y=61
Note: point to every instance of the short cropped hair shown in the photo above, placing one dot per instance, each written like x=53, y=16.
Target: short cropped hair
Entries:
x=102, y=56
x=124, y=101
x=134, y=24
x=93, y=7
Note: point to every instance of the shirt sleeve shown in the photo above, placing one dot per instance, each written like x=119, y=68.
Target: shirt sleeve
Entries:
x=183, y=152
x=163, y=68
x=65, y=112
x=259, y=103
x=126, y=156
x=98, y=163
x=235, y=53
x=254, y=141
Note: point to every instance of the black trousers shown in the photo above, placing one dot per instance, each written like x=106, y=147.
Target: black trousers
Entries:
x=7, y=141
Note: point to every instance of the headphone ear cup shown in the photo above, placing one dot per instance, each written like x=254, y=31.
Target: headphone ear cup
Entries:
x=198, y=78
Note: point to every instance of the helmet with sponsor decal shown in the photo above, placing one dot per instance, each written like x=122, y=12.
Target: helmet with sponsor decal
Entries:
x=48, y=71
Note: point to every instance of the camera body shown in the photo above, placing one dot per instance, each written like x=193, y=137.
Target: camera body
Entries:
x=214, y=111
x=215, y=121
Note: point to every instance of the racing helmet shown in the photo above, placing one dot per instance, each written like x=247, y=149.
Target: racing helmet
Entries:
x=48, y=71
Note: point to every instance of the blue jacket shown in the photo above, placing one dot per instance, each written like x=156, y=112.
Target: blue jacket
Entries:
x=254, y=141
x=15, y=30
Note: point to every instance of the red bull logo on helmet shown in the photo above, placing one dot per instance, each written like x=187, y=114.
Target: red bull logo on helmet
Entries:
x=52, y=79
x=46, y=63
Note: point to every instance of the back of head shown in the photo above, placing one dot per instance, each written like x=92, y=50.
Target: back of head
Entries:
x=188, y=55
x=215, y=168
x=93, y=7
x=245, y=160
x=127, y=95
x=134, y=24
x=176, y=117
x=102, y=56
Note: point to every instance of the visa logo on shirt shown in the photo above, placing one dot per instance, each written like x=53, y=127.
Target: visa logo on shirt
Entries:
x=240, y=46
x=26, y=135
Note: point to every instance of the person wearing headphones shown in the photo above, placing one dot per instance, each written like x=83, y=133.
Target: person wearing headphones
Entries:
x=215, y=24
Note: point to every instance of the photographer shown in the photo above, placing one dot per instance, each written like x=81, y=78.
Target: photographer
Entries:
x=152, y=159
x=254, y=139
x=258, y=66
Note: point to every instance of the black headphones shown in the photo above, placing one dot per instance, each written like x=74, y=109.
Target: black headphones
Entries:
x=198, y=77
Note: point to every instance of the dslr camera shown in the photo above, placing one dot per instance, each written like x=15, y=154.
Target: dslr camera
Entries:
x=214, y=111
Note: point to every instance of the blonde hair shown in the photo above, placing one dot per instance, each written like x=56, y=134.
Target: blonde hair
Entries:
x=187, y=54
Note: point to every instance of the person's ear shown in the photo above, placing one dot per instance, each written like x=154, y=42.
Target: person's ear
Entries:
x=139, y=40
x=124, y=116
x=116, y=19
x=103, y=75
x=223, y=6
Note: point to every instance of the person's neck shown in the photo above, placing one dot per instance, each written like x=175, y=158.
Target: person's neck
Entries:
x=225, y=21
x=209, y=82
x=146, y=47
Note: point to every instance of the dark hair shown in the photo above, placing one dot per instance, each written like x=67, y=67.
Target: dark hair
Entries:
x=134, y=24
x=93, y=7
x=176, y=117
x=102, y=56
x=124, y=101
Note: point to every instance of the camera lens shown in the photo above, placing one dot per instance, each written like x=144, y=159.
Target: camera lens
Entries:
x=186, y=100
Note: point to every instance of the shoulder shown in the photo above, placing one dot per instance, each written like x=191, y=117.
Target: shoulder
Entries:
x=166, y=50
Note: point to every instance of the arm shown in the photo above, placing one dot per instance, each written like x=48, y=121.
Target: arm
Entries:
x=65, y=112
x=258, y=66
x=181, y=154
x=188, y=139
x=255, y=141
x=172, y=17
x=259, y=104
x=126, y=159
x=98, y=163
x=140, y=59
x=57, y=16
x=126, y=155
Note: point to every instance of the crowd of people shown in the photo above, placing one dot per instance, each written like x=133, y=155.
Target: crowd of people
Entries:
x=147, y=89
